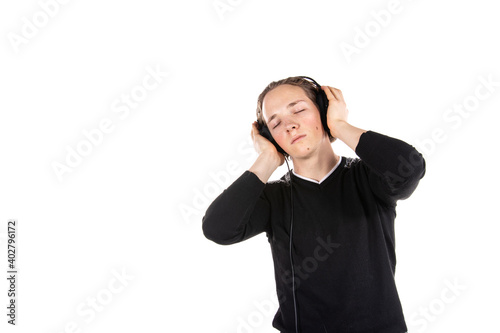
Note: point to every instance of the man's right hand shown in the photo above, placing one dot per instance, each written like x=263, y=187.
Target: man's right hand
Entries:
x=269, y=158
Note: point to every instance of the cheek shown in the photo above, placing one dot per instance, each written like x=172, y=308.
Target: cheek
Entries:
x=279, y=138
x=314, y=124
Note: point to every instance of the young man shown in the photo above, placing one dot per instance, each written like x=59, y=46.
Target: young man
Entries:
x=336, y=271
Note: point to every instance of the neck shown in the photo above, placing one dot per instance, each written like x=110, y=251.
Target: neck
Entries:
x=316, y=166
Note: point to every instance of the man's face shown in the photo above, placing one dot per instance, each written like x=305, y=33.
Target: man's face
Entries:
x=293, y=120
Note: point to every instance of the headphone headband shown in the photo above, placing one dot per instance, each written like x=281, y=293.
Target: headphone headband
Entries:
x=311, y=80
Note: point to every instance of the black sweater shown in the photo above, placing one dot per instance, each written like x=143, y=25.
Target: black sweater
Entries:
x=343, y=237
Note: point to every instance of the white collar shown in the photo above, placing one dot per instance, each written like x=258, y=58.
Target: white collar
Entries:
x=325, y=177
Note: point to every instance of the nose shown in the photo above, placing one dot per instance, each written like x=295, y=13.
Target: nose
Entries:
x=291, y=126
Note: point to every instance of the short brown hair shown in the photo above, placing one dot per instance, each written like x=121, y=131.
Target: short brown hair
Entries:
x=309, y=88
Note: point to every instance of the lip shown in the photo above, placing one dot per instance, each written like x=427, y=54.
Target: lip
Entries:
x=297, y=138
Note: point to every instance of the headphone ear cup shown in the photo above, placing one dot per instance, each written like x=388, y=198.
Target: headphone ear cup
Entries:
x=264, y=131
x=322, y=102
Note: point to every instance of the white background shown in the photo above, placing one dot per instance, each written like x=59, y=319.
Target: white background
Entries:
x=134, y=204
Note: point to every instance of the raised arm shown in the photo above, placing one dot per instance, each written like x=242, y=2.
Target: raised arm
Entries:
x=242, y=210
x=238, y=213
x=395, y=167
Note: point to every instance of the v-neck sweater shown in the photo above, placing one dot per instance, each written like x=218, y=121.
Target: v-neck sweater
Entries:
x=343, y=240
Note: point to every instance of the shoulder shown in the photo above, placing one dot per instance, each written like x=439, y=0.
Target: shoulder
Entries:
x=351, y=162
x=355, y=170
x=284, y=181
x=278, y=186
x=353, y=165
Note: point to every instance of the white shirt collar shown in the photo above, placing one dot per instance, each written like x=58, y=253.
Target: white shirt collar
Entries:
x=325, y=177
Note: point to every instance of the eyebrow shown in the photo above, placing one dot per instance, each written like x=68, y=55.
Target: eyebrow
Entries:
x=291, y=105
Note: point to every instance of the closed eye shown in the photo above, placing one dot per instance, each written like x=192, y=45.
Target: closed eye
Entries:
x=278, y=123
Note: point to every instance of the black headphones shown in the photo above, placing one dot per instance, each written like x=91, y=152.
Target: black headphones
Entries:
x=321, y=102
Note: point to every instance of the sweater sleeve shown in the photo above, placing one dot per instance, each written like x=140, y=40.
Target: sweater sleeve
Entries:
x=395, y=167
x=238, y=213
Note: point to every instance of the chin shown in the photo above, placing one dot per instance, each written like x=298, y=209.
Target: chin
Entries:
x=303, y=153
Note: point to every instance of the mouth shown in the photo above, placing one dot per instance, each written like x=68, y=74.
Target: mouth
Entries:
x=297, y=138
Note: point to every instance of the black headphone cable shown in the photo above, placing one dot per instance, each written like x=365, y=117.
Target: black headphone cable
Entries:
x=291, y=257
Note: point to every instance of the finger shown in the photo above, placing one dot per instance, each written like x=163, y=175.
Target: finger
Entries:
x=255, y=128
x=337, y=93
x=329, y=93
